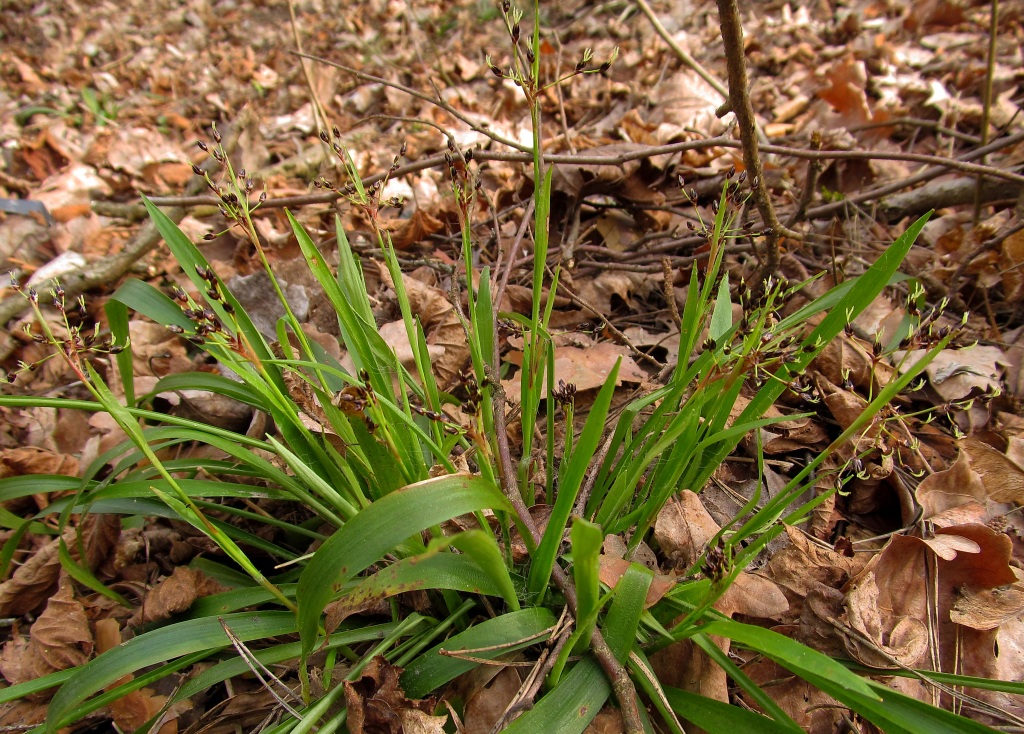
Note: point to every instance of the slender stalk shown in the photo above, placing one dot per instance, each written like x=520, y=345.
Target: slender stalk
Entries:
x=739, y=101
x=986, y=109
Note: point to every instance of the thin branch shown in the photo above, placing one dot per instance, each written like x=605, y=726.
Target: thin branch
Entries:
x=814, y=169
x=640, y=152
x=986, y=107
x=828, y=210
x=739, y=101
x=438, y=102
x=109, y=270
x=678, y=51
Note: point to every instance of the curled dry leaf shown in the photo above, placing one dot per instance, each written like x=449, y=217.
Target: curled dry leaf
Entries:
x=34, y=581
x=1003, y=478
x=58, y=640
x=890, y=602
x=612, y=570
x=173, y=595
x=683, y=528
x=887, y=638
x=945, y=492
x=377, y=704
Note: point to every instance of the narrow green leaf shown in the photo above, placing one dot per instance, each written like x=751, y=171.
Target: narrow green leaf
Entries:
x=157, y=647
x=790, y=654
x=378, y=529
x=572, y=482
x=488, y=640
x=432, y=570
x=483, y=549
x=144, y=298
x=620, y=626
x=117, y=320
x=895, y=713
x=571, y=706
x=721, y=317
x=209, y=382
x=586, y=540
x=756, y=693
x=717, y=716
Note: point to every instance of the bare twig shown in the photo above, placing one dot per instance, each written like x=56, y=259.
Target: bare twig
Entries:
x=678, y=51
x=828, y=210
x=739, y=100
x=986, y=108
x=110, y=269
x=814, y=169
x=944, y=193
x=640, y=152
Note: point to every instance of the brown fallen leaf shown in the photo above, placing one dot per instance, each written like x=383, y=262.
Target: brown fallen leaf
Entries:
x=989, y=608
x=173, y=595
x=377, y=704
x=33, y=582
x=952, y=489
x=134, y=709
x=891, y=601
x=683, y=528
x=1002, y=477
x=586, y=368
x=612, y=569
x=16, y=462
x=488, y=702
x=59, y=639
x=804, y=567
x=753, y=595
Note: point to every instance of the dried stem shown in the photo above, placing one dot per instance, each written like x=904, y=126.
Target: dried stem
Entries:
x=986, y=109
x=678, y=51
x=814, y=169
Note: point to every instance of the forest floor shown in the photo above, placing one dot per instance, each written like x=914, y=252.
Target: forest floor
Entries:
x=873, y=112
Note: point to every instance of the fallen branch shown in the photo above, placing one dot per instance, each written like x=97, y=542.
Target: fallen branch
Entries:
x=940, y=194
x=639, y=152
x=109, y=270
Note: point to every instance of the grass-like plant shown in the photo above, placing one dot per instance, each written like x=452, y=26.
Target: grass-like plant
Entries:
x=375, y=482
